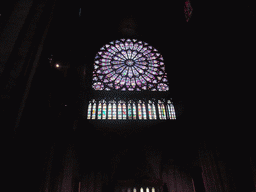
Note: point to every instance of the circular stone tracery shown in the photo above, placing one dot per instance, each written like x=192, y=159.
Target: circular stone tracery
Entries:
x=129, y=65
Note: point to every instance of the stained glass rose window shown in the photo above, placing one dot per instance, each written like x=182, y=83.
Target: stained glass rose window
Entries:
x=129, y=65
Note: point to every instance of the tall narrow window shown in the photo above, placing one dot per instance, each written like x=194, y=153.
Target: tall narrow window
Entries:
x=134, y=190
x=114, y=110
x=129, y=111
x=129, y=190
x=173, y=112
x=94, y=110
x=89, y=111
x=119, y=110
x=163, y=111
x=153, y=189
x=134, y=111
x=104, y=112
x=99, y=110
x=169, y=111
x=139, y=110
x=144, y=111
x=124, y=111
x=141, y=189
x=159, y=111
x=154, y=111
x=149, y=111
x=147, y=190
x=109, y=111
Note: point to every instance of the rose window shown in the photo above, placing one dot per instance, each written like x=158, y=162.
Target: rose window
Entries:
x=129, y=65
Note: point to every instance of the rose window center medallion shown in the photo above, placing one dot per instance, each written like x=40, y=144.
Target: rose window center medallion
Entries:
x=129, y=62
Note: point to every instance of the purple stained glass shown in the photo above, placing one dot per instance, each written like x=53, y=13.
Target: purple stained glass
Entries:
x=129, y=63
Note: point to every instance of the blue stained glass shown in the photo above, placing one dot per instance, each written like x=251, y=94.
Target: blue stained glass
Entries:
x=129, y=112
x=142, y=62
x=127, y=82
x=122, y=81
x=139, y=47
x=142, y=80
x=114, y=77
x=105, y=64
x=137, y=56
x=134, y=111
x=109, y=75
x=147, y=78
x=107, y=71
x=125, y=54
x=105, y=60
x=124, y=111
x=138, y=82
x=109, y=111
x=118, y=79
x=89, y=111
x=106, y=56
x=116, y=66
x=129, y=52
x=149, y=75
x=146, y=52
x=135, y=72
x=133, y=54
x=126, y=45
x=125, y=71
x=131, y=45
x=120, y=55
x=133, y=82
x=116, y=62
x=111, y=51
x=142, y=67
x=143, y=50
x=115, y=49
x=118, y=47
x=149, y=111
x=138, y=69
x=120, y=69
x=99, y=111
x=130, y=73
x=122, y=45
x=144, y=111
x=135, y=46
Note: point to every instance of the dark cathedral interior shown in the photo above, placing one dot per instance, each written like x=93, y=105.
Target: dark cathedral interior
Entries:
x=47, y=52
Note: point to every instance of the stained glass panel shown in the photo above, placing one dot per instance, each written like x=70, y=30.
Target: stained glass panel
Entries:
x=94, y=111
x=89, y=111
x=104, y=111
x=129, y=60
x=129, y=111
x=144, y=111
x=109, y=111
x=119, y=111
x=134, y=111
x=114, y=111
x=154, y=111
x=139, y=111
x=99, y=111
x=124, y=111
x=149, y=111
x=159, y=112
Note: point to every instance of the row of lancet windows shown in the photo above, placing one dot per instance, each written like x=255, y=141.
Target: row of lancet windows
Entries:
x=147, y=189
x=131, y=110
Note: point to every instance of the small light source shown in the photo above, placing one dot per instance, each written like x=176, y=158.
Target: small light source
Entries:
x=65, y=105
x=57, y=65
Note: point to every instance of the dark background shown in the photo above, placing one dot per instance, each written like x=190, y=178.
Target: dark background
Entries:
x=208, y=61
